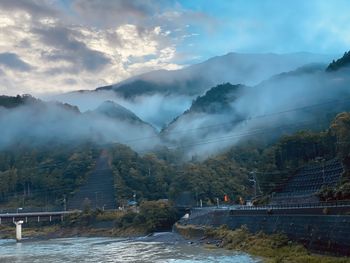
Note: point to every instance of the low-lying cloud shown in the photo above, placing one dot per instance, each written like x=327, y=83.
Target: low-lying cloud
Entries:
x=157, y=109
x=42, y=123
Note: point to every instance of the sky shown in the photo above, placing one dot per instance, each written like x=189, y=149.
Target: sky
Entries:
x=53, y=46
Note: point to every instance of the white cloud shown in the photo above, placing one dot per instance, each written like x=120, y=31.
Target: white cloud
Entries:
x=66, y=55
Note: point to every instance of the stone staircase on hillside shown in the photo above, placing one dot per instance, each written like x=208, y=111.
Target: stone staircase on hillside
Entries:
x=98, y=191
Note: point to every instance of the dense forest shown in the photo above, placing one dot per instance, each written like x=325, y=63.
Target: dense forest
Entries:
x=44, y=175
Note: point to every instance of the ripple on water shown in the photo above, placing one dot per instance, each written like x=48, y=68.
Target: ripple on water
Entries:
x=113, y=250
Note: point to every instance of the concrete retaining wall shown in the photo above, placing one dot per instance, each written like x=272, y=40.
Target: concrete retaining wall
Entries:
x=317, y=232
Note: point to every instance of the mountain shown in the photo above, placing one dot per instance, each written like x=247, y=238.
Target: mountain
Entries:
x=210, y=116
x=308, y=97
x=171, y=92
x=343, y=62
x=216, y=101
x=29, y=121
x=13, y=102
x=249, y=69
x=117, y=112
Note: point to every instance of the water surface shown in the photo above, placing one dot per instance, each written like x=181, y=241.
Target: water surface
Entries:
x=114, y=250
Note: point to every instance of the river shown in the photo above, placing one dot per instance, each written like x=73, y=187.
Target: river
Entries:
x=81, y=249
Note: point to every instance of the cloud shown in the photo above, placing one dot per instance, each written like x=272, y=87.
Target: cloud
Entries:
x=96, y=42
x=62, y=41
x=12, y=61
x=33, y=7
x=42, y=123
x=170, y=106
x=66, y=47
x=117, y=12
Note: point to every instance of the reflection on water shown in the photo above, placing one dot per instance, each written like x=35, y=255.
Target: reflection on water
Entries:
x=113, y=250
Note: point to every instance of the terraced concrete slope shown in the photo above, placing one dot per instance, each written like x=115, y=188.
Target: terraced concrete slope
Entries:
x=98, y=192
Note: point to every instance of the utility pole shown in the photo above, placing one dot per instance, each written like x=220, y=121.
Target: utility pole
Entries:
x=253, y=179
x=323, y=177
x=96, y=200
x=64, y=203
x=322, y=160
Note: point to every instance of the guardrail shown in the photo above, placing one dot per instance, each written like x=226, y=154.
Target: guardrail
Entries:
x=30, y=209
x=31, y=214
x=282, y=206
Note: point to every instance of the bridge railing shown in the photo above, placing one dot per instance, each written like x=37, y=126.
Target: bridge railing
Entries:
x=29, y=209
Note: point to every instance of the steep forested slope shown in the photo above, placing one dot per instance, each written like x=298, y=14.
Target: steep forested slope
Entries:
x=343, y=62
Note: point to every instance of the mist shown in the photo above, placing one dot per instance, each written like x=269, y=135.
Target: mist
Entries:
x=42, y=123
x=157, y=109
x=275, y=106
x=286, y=103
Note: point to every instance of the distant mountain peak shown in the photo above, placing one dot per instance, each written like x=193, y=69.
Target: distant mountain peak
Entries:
x=216, y=99
x=247, y=68
x=12, y=102
x=114, y=110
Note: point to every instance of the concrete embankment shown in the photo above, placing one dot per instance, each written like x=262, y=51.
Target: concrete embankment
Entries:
x=321, y=233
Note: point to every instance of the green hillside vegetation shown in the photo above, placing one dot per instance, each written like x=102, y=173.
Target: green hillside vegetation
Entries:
x=340, y=63
x=115, y=111
x=42, y=175
x=217, y=99
x=273, y=248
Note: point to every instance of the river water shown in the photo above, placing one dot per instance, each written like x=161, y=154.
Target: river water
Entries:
x=82, y=249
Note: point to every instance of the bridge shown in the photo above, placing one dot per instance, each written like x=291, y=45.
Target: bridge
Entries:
x=35, y=216
x=19, y=218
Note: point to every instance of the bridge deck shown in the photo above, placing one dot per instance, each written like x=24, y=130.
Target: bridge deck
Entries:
x=38, y=216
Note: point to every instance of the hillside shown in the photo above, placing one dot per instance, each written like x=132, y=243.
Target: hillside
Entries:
x=171, y=92
x=343, y=62
x=215, y=102
x=230, y=130
x=304, y=98
x=235, y=68
x=60, y=170
x=116, y=111
x=12, y=102
x=34, y=122
x=217, y=99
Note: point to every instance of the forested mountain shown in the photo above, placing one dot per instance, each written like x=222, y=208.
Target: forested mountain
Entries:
x=217, y=99
x=305, y=98
x=45, y=175
x=12, y=102
x=171, y=92
x=210, y=116
x=35, y=122
x=211, y=149
x=249, y=69
x=42, y=175
x=343, y=62
x=117, y=112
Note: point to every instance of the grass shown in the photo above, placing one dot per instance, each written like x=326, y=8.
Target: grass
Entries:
x=275, y=248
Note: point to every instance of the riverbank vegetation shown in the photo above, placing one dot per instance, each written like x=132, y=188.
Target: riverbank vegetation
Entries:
x=276, y=248
x=149, y=217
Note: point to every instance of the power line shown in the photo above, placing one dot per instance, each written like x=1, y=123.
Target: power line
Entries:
x=329, y=102
x=214, y=139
